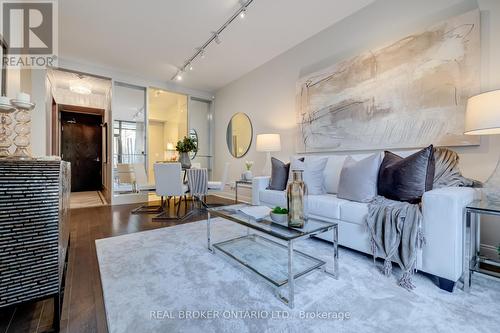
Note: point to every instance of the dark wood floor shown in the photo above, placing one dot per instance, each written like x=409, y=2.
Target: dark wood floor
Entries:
x=83, y=306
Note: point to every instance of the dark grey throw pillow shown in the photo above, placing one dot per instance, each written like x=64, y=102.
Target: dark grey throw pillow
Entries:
x=406, y=179
x=279, y=175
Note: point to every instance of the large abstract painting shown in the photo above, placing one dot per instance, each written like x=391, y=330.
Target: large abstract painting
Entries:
x=405, y=95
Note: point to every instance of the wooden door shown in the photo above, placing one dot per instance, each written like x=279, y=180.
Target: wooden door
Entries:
x=81, y=145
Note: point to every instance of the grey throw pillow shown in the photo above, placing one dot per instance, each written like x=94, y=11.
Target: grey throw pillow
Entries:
x=406, y=179
x=279, y=175
x=312, y=173
x=358, y=179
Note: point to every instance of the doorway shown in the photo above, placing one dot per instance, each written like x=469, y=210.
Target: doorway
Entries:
x=81, y=145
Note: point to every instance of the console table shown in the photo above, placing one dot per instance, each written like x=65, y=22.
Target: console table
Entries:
x=471, y=244
x=34, y=231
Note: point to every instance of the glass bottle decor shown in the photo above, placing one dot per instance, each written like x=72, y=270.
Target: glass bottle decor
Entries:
x=296, y=195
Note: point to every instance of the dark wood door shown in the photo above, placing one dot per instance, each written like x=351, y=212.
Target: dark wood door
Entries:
x=81, y=145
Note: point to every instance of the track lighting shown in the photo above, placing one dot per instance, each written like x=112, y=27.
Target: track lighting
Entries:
x=178, y=77
x=217, y=38
x=200, y=52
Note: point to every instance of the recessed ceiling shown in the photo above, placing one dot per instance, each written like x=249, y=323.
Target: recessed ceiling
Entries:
x=151, y=39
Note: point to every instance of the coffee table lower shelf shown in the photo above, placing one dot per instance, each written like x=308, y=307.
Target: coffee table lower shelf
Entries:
x=269, y=260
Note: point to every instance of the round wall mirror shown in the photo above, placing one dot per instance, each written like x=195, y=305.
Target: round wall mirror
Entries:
x=193, y=135
x=239, y=135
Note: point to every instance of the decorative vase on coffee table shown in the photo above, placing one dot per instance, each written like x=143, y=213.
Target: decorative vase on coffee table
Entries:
x=296, y=195
x=185, y=160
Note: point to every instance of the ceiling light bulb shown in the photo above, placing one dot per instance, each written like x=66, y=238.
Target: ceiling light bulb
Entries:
x=190, y=67
x=179, y=76
x=81, y=87
x=201, y=52
x=243, y=13
x=217, y=38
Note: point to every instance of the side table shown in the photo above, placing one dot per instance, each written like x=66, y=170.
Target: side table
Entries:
x=471, y=241
x=240, y=182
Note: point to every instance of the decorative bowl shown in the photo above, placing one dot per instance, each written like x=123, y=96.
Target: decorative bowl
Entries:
x=279, y=218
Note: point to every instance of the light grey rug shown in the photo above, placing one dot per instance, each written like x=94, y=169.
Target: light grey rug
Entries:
x=152, y=279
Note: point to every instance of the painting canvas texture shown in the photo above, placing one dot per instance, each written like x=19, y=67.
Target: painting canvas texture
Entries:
x=408, y=94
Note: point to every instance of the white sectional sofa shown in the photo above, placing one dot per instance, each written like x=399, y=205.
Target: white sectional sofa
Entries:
x=442, y=210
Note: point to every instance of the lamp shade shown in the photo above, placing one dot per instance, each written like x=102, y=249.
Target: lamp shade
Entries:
x=268, y=142
x=482, y=116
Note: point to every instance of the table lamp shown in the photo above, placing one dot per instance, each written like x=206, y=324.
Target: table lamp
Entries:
x=268, y=143
x=482, y=117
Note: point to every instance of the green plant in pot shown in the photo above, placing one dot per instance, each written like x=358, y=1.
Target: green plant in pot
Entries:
x=184, y=147
x=279, y=215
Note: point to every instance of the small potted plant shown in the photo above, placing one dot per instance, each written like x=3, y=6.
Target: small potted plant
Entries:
x=247, y=175
x=279, y=215
x=184, y=147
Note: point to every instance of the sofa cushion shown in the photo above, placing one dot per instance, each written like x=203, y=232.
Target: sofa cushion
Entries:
x=279, y=175
x=273, y=198
x=354, y=212
x=325, y=205
x=358, y=179
x=406, y=179
x=312, y=173
x=332, y=173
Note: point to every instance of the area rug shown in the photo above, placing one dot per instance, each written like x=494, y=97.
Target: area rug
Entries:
x=165, y=280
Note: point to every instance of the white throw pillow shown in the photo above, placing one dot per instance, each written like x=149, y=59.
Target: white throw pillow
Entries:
x=358, y=179
x=312, y=173
x=332, y=173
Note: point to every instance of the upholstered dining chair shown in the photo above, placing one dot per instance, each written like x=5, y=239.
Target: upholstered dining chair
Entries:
x=168, y=181
x=125, y=177
x=142, y=185
x=195, y=165
x=218, y=186
x=198, y=187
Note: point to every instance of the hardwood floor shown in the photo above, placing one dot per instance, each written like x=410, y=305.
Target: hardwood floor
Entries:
x=83, y=306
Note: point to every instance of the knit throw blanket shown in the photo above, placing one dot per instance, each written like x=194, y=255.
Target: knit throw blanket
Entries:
x=395, y=227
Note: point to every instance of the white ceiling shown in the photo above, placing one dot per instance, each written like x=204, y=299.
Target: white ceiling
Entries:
x=152, y=38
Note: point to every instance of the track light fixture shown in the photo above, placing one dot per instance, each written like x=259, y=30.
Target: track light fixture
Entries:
x=200, y=51
x=178, y=76
x=217, y=38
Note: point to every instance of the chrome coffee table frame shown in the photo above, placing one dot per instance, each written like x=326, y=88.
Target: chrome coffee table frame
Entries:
x=271, y=248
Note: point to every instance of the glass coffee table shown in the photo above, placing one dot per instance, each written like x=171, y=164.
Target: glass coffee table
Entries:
x=276, y=262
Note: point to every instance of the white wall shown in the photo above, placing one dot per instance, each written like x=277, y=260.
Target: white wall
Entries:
x=40, y=133
x=267, y=94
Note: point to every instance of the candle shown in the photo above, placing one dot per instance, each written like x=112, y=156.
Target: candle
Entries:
x=23, y=97
x=4, y=100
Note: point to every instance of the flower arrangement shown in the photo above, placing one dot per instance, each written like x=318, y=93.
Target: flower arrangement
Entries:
x=186, y=145
x=248, y=165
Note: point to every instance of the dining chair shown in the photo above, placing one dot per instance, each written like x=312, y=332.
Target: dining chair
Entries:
x=125, y=177
x=142, y=185
x=195, y=165
x=218, y=186
x=198, y=188
x=168, y=181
